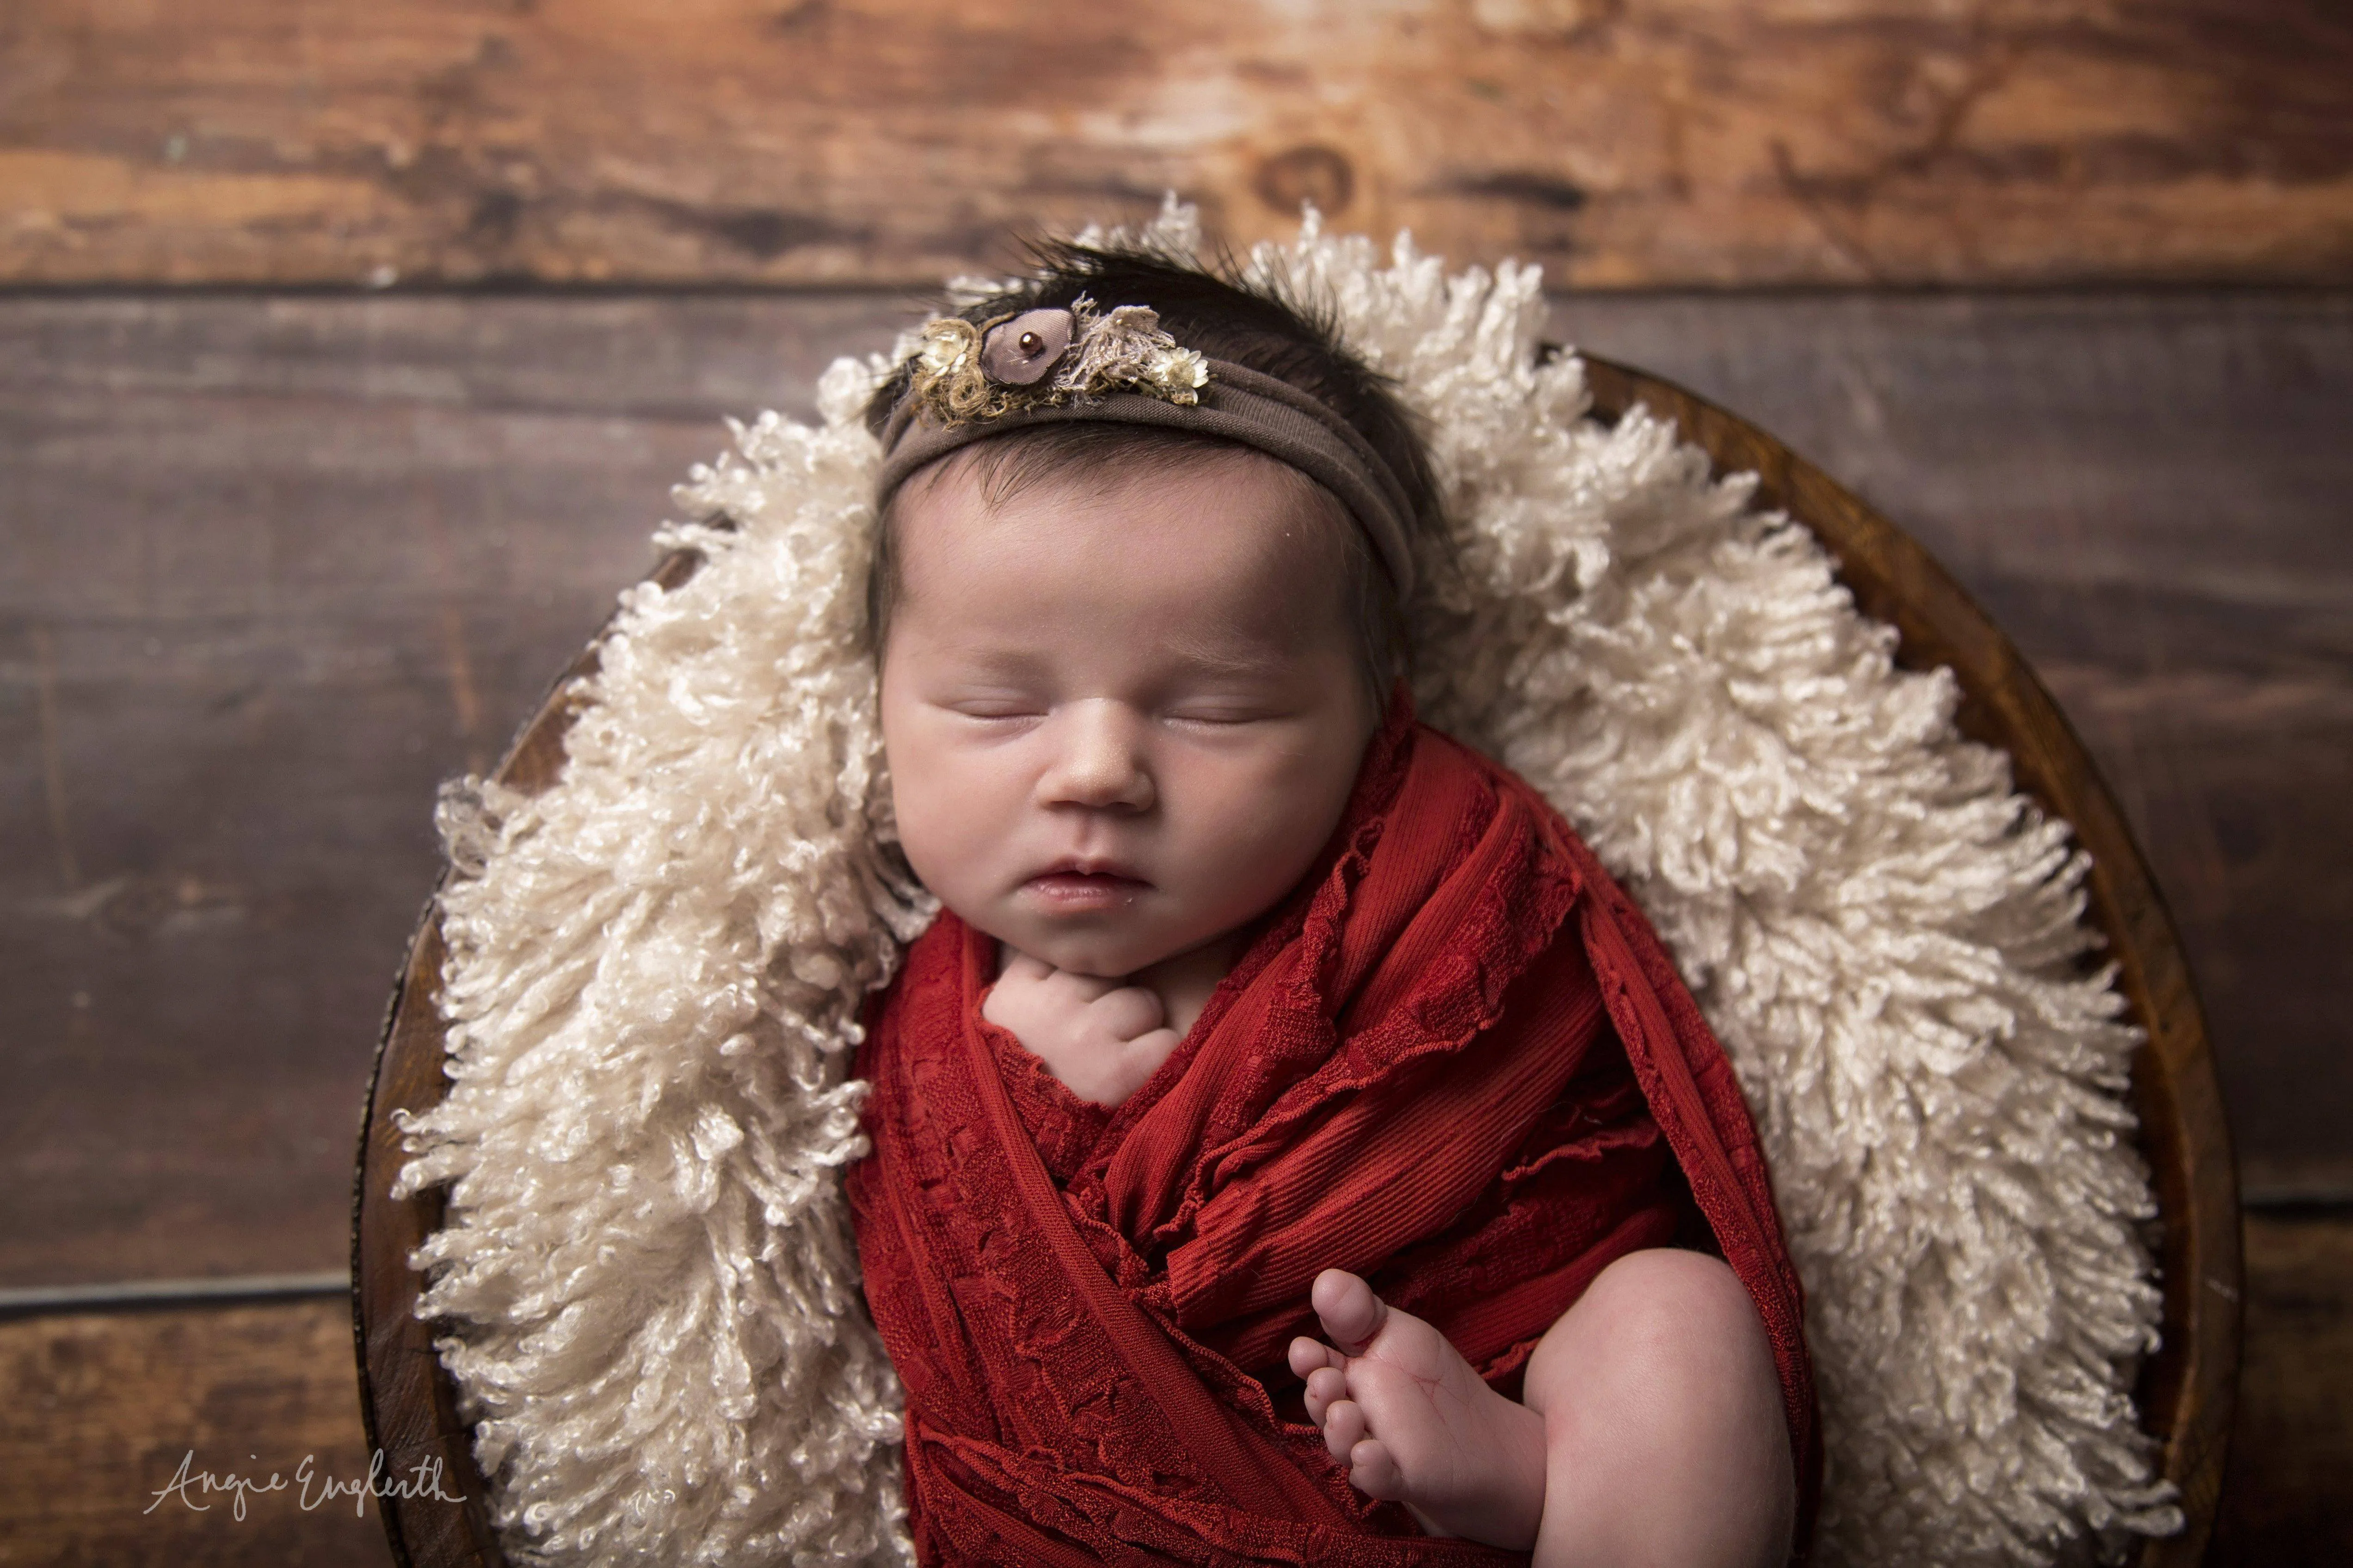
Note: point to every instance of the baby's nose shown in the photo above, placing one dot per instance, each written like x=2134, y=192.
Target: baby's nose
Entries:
x=1099, y=760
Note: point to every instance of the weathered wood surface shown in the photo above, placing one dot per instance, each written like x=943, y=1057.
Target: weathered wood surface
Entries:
x=102, y=1407
x=1663, y=142
x=104, y=1410
x=2288, y=1499
x=271, y=569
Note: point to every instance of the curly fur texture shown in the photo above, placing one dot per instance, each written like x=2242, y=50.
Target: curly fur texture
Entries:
x=657, y=964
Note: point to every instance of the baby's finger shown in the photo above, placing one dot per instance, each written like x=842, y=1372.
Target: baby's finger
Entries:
x=1148, y=1051
x=1128, y=1013
x=1343, y=1429
x=1080, y=987
x=1372, y=1471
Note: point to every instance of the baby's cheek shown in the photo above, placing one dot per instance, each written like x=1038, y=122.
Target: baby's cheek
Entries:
x=955, y=822
x=1267, y=829
x=930, y=832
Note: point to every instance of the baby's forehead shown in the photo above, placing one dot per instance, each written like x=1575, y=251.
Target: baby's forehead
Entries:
x=1116, y=466
x=1227, y=555
x=1145, y=505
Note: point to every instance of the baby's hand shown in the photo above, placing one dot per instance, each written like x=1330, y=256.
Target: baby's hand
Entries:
x=1099, y=1036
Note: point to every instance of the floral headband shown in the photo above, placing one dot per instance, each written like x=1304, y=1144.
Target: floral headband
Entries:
x=967, y=382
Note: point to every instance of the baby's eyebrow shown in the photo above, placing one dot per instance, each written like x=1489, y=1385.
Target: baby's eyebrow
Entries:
x=1235, y=655
x=1222, y=663
x=1011, y=661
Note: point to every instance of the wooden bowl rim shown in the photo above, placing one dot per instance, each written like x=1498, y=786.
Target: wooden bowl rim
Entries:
x=2186, y=1391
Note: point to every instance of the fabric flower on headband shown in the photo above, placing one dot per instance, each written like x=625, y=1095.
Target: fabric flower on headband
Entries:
x=961, y=371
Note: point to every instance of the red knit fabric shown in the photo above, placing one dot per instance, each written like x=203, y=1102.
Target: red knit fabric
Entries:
x=1456, y=1061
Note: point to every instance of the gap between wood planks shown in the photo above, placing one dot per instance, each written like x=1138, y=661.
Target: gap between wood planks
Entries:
x=2330, y=1203
x=2318, y=1203
x=2286, y=1204
x=236, y=1290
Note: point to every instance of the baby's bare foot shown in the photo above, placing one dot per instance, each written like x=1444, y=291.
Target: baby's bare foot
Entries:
x=1415, y=1423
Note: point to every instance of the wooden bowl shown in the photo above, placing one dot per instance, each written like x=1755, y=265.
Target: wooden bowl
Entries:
x=2186, y=1389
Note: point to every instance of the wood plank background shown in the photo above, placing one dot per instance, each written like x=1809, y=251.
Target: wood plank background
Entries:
x=346, y=352
x=105, y=1408
x=1621, y=142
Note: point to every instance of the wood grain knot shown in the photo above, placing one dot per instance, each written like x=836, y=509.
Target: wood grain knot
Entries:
x=1309, y=173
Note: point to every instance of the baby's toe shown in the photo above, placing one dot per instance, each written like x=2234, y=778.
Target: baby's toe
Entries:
x=1324, y=1385
x=1307, y=1354
x=1373, y=1470
x=1344, y=1427
x=1350, y=1312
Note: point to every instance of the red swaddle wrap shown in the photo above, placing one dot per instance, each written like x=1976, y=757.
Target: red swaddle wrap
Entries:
x=1456, y=1061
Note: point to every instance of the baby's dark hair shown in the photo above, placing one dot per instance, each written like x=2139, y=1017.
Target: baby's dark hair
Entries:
x=1224, y=317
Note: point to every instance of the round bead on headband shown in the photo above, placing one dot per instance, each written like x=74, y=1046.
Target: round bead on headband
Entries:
x=967, y=382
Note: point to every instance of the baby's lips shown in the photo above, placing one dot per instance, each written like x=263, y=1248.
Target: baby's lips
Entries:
x=1095, y=866
x=1085, y=891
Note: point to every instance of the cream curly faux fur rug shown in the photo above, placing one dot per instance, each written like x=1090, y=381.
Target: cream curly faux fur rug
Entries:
x=657, y=964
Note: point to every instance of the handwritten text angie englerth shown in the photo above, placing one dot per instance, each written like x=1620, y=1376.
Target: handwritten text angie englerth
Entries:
x=312, y=1487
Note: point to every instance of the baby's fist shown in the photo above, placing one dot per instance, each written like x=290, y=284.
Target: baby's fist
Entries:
x=1099, y=1036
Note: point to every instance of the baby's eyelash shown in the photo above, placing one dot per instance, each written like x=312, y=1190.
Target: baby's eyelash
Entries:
x=1222, y=717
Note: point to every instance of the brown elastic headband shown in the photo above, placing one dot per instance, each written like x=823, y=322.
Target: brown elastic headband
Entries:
x=1237, y=405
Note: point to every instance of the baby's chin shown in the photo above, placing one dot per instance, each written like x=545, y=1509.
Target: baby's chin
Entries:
x=1108, y=950
x=1106, y=960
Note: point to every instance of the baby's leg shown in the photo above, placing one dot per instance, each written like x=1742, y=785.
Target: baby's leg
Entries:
x=1652, y=1426
x=1664, y=1435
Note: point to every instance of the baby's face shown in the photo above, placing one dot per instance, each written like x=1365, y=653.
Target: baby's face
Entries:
x=1119, y=724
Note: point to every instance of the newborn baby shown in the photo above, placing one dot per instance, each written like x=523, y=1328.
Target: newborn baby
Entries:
x=1140, y=695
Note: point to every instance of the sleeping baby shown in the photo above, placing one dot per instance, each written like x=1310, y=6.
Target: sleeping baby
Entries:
x=1289, y=1146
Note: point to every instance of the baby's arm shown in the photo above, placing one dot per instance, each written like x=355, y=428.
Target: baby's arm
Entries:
x=1651, y=1433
